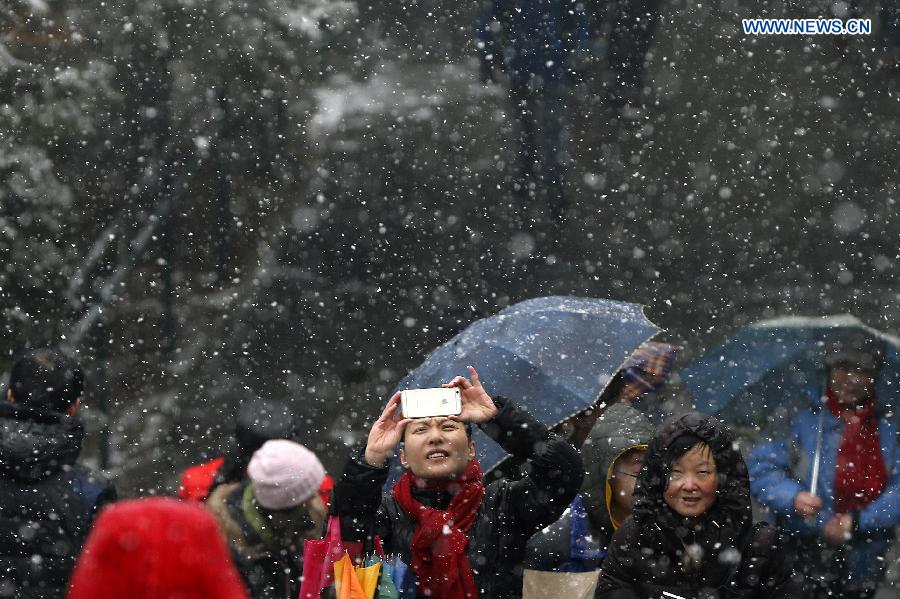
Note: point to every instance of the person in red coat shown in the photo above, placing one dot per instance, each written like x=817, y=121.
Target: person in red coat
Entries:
x=155, y=548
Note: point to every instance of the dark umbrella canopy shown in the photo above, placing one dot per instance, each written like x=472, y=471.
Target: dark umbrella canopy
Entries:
x=763, y=374
x=552, y=355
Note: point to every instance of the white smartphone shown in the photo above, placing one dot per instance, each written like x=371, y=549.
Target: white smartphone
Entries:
x=423, y=403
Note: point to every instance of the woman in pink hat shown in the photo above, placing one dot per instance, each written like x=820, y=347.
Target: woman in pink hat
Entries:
x=268, y=516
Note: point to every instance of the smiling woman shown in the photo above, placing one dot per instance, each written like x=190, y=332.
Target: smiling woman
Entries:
x=693, y=479
x=691, y=531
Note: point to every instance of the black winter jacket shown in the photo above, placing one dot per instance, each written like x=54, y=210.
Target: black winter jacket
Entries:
x=509, y=514
x=270, y=569
x=647, y=554
x=619, y=429
x=47, y=502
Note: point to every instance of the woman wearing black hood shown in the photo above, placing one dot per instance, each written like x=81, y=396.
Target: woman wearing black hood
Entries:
x=691, y=533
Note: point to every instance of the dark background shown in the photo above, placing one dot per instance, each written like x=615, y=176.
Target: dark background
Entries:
x=210, y=200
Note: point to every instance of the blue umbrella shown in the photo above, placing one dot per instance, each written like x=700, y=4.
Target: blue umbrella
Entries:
x=551, y=355
x=761, y=376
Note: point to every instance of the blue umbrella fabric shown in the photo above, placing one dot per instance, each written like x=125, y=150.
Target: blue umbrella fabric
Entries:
x=551, y=355
x=763, y=374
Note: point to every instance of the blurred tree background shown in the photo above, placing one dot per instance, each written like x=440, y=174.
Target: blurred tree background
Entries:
x=298, y=199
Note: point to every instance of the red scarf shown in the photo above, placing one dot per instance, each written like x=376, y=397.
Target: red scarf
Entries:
x=860, y=475
x=439, y=544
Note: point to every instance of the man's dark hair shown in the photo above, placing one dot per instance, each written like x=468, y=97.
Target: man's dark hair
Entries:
x=45, y=379
x=466, y=425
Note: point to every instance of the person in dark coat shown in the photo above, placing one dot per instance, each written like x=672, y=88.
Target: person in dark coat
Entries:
x=460, y=537
x=47, y=500
x=267, y=517
x=691, y=531
x=613, y=454
x=257, y=421
x=155, y=548
x=845, y=528
x=613, y=438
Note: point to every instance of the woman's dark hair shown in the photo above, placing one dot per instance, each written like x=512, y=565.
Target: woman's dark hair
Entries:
x=854, y=349
x=45, y=379
x=679, y=447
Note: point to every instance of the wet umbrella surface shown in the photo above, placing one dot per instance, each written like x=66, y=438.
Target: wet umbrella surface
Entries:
x=551, y=355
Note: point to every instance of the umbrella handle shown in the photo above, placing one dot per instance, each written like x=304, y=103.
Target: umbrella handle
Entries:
x=817, y=458
x=817, y=461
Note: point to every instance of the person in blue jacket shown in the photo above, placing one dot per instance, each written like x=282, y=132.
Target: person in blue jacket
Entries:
x=539, y=44
x=843, y=521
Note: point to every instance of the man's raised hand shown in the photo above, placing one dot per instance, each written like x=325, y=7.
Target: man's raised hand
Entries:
x=386, y=433
x=477, y=405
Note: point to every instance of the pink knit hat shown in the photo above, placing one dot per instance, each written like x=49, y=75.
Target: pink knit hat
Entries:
x=284, y=474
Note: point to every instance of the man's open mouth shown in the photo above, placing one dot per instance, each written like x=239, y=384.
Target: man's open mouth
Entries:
x=437, y=454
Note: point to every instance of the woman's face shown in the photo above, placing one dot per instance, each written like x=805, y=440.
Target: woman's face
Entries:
x=624, y=475
x=851, y=385
x=693, y=481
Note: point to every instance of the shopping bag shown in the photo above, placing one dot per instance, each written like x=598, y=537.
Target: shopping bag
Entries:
x=537, y=584
x=319, y=557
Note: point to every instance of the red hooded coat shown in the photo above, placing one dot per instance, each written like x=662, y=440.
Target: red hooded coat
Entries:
x=155, y=548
